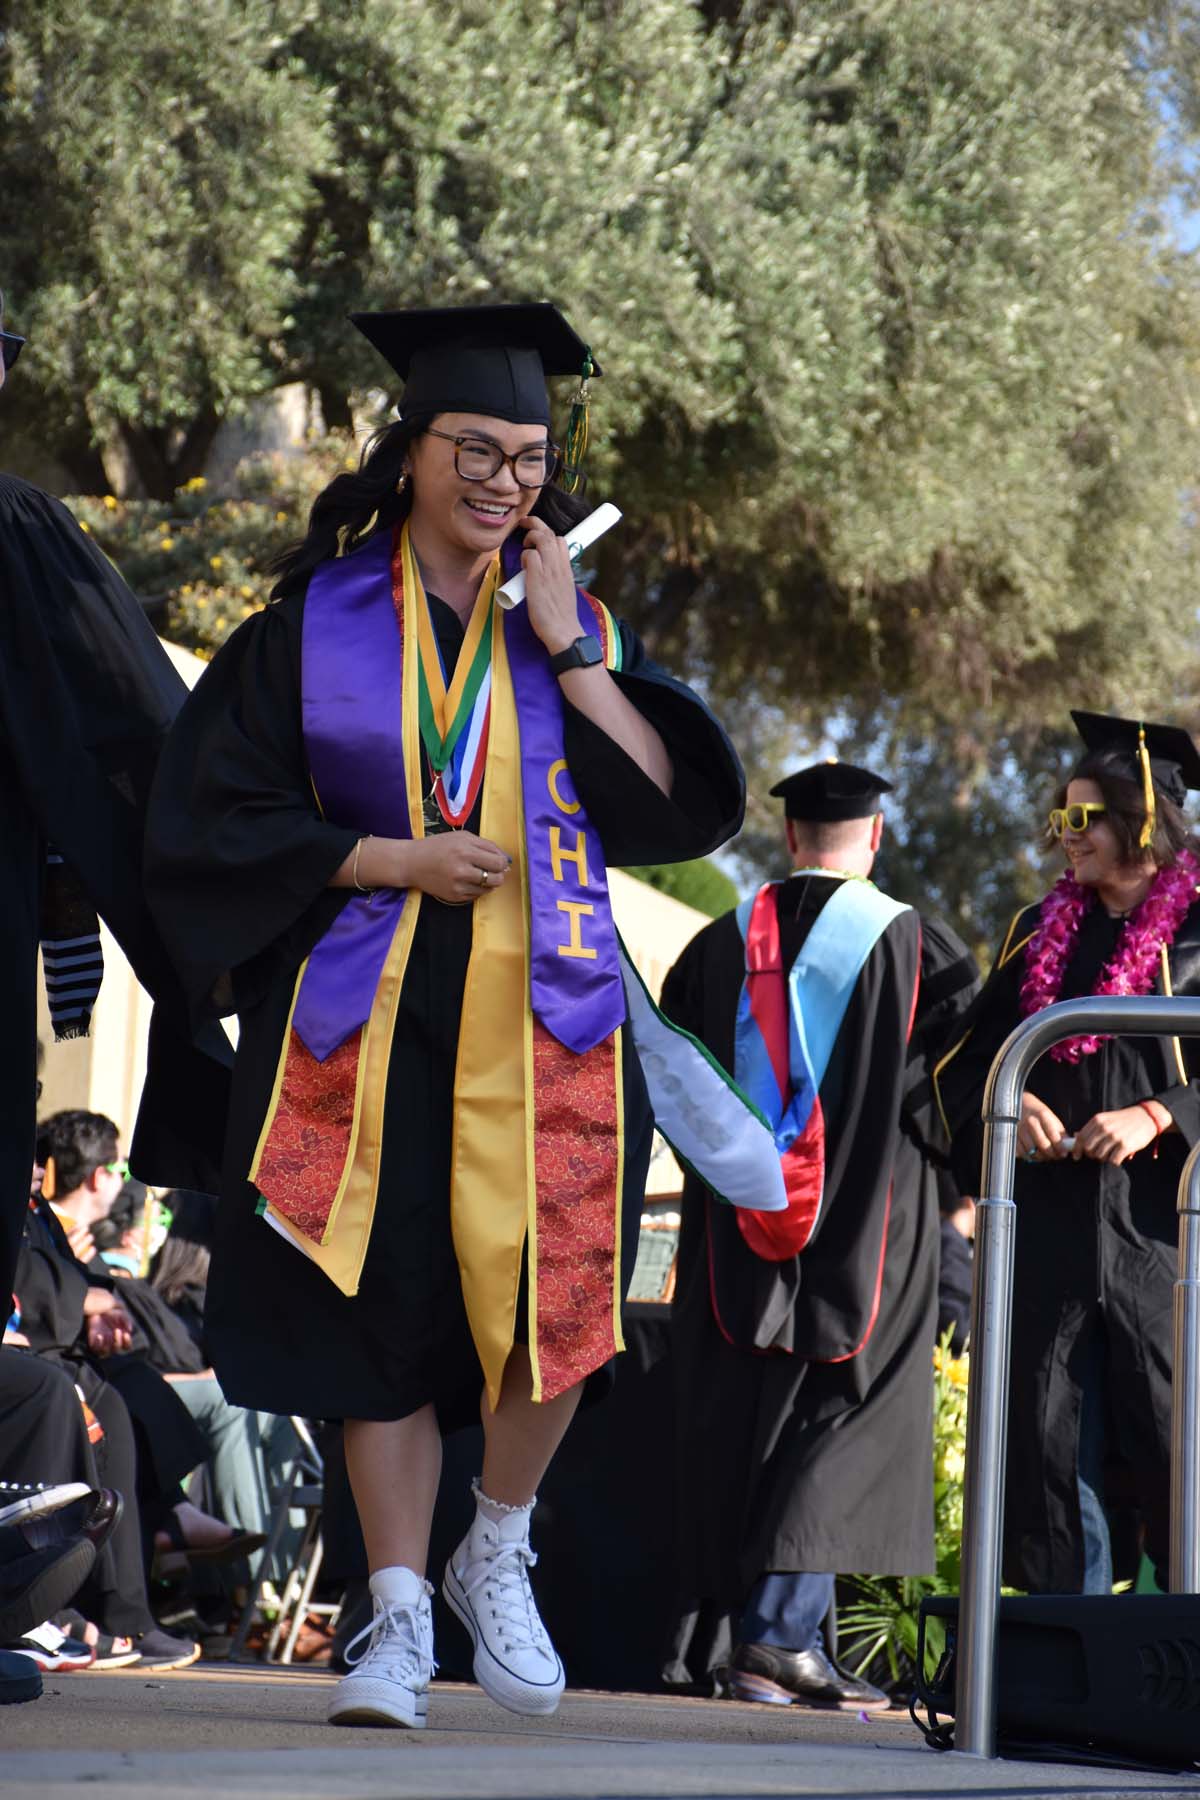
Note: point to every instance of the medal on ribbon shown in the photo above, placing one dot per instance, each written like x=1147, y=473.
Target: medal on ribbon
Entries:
x=454, y=721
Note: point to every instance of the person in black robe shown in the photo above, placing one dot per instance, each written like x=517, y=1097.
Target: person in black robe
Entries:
x=1097, y=1228
x=804, y=1385
x=86, y=696
x=247, y=876
x=956, y=1264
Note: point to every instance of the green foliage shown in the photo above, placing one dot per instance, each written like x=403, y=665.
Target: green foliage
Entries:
x=207, y=555
x=980, y=363
x=901, y=360
x=700, y=884
x=156, y=158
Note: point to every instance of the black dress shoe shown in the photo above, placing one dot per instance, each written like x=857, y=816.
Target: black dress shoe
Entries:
x=769, y=1672
x=20, y=1678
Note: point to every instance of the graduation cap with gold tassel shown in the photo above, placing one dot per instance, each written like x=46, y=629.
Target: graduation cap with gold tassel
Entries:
x=1163, y=757
x=492, y=360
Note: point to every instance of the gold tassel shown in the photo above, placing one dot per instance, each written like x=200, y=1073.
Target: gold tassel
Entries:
x=1147, y=833
x=575, y=448
x=49, y=1180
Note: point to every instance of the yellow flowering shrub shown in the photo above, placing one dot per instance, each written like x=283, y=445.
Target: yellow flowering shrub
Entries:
x=200, y=562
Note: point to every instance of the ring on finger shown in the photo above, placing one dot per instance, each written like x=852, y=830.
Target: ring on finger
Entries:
x=1031, y=1155
x=483, y=877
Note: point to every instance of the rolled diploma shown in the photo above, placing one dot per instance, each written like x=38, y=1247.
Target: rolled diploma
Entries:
x=578, y=538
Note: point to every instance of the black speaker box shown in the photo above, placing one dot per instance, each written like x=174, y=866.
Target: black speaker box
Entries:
x=1116, y=1675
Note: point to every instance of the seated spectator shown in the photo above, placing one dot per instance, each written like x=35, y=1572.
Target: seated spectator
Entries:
x=46, y=1436
x=71, y=1316
x=84, y=1179
x=120, y=1239
x=49, y=1538
x=249, y=1452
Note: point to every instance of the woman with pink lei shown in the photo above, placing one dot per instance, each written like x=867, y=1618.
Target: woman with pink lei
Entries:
x=1105, y=1128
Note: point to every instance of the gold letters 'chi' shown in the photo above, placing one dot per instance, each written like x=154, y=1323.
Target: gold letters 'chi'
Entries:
x=560, y=855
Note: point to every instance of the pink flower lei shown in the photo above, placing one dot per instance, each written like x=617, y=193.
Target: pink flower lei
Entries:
x=1136, y=960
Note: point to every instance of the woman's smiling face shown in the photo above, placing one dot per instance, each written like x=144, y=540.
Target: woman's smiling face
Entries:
x=469, y=516
x=1095, y=853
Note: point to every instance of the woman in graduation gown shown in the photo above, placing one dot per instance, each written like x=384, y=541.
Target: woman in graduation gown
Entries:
x=1097, y=1227
x=380, y=834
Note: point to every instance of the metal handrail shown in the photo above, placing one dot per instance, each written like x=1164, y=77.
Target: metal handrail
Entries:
x=1152, y=1015
x=1185, y=1390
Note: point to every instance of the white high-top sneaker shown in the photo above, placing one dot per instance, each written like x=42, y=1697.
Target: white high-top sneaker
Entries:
x=487, y=1585
x=389, y=1682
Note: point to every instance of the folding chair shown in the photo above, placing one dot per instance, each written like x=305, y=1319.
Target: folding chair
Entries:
x=303, y=1490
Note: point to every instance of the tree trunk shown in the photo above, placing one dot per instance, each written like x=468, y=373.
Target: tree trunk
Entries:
x=335, y=407
x=84, y=464
x=163, y=457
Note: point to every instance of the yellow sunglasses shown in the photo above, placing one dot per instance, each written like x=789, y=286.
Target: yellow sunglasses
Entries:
x=1077, y=817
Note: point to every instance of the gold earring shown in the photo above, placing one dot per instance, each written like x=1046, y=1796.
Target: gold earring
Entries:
x=402, y=483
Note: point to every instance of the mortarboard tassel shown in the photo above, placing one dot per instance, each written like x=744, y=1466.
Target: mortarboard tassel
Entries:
x=575, y=449
x=1147, y=832
x=50, y=1180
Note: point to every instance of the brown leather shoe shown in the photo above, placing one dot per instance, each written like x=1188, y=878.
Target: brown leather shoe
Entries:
x=767, y=1672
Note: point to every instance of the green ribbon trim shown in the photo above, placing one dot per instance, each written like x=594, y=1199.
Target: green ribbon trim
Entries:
x=438, y=749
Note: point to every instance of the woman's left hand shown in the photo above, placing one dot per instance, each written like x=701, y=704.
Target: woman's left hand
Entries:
x=1113, y=1137
x=549, y=586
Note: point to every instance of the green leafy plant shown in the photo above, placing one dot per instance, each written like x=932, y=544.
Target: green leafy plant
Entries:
x=699, y=883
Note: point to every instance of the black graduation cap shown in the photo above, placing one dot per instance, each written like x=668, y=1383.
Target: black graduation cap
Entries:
x=1174, y=759
x=830, y=791
x=480, y=359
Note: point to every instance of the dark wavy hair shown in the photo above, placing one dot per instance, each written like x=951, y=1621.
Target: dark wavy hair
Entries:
x=1126, y=810
x=183, y=1259
x=124, y=1215
x=362, y=501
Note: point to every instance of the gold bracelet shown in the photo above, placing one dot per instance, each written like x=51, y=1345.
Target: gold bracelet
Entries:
x=354, y=867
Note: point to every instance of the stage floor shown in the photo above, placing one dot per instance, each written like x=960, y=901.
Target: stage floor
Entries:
x=258, y=1734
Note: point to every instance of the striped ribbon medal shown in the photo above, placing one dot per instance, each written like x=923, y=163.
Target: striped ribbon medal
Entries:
x=454, y=721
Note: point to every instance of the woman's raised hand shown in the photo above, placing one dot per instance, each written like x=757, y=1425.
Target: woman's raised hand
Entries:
x=456, y=866
x=549, y=585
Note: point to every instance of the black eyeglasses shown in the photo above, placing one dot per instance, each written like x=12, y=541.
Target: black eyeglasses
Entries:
x=10, y=346
x=478, y=459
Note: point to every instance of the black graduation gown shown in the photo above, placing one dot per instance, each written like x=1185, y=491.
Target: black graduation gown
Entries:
x=1096, y=1249
x=238, y=863
x=788, y=1460
x=86, y=696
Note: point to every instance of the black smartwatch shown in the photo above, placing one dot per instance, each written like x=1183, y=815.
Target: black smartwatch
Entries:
x=584, y=653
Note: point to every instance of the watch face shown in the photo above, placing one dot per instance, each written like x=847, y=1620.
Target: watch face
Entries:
x=582, y=654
